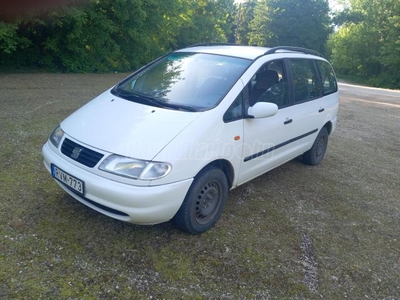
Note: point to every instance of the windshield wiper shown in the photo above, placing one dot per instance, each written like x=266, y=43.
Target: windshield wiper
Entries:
x=138, y=97
x=181, y=107
x=153, y=101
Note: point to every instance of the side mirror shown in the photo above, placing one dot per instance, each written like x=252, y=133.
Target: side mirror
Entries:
x=262, y=110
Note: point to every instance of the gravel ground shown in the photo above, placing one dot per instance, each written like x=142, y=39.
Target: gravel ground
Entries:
x=297, y=232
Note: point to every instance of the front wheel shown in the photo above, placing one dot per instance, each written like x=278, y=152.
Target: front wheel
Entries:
x=204, y=201
x=315, y=155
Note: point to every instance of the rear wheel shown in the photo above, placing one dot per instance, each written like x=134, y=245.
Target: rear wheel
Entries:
x=204, y=202
x=315, y=155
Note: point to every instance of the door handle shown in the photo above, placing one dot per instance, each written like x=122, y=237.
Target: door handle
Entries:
x=288, y=121
x=321, y=110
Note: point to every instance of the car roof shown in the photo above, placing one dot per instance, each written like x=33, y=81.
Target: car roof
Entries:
x=247, y=52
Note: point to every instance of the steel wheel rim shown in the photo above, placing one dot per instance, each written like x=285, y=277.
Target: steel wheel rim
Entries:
x=207, y=202
x=321, y=146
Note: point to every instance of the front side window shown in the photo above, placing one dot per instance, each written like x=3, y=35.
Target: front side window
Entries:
x=270, y=84
x=305, y=80
x=181, y=80
x=329, y=84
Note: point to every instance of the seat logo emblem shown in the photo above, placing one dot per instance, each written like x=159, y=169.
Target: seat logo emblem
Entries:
x=76, y=152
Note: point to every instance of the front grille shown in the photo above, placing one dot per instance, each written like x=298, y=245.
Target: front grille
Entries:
x=80, y=153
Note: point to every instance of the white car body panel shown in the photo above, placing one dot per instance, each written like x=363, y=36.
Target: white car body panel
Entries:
x=124, y=127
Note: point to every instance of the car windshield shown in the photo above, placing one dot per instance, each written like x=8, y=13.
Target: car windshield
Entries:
x=184, y=81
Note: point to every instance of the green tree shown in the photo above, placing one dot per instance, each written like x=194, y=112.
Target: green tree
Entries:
x=109, y=35
x=245, y=13
x=74, y=40
x=368, y=42
x=206, y=21
x=291, y=22
x=10, y=41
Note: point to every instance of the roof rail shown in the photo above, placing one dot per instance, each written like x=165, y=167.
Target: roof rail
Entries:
x=295, y=49
x=212, y=44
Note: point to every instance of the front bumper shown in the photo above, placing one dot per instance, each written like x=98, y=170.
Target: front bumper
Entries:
x=125, y=202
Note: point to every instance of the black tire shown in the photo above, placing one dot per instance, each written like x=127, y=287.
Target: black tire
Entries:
x=204, y=201
x=315, y=155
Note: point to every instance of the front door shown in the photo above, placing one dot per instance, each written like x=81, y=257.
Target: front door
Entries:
x=264, y=139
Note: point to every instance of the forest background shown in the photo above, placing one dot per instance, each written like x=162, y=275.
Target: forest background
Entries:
x=362, y=39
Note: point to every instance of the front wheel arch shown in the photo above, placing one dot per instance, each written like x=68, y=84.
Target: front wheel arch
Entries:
x=204, y=201
x=226, y=167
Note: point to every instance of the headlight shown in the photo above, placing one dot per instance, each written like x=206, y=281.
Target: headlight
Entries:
x=134, y=168
x=56, y=136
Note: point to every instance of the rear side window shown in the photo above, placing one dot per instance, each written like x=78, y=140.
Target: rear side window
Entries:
x=329, y=84
x=305, y=80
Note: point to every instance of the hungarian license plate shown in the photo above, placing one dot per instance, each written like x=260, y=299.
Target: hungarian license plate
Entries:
x=72, y=182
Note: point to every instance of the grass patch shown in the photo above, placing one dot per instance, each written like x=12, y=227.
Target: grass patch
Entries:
x=53, y=247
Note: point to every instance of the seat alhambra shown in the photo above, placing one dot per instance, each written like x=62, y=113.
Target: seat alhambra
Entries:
x=169, y=141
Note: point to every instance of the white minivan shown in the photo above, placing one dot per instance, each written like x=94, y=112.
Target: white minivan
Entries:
x=170, y=140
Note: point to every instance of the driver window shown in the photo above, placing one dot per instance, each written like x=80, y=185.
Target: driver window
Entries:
x=270, y=84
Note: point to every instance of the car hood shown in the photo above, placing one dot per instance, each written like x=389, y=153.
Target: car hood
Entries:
x=126, y=128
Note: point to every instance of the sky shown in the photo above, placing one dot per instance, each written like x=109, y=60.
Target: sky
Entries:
x=334, y=5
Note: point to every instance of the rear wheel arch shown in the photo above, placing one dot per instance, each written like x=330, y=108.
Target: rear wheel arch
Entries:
x=317, y=152
x=328, y=127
